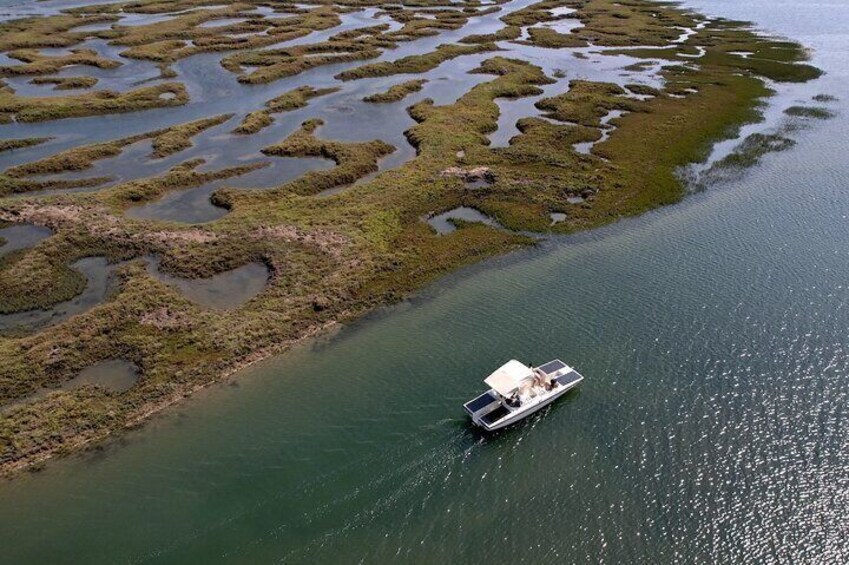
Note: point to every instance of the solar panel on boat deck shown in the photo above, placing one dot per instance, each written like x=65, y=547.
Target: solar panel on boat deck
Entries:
x=495, y=415
x=483, y=400
x=569, y=377
x=552, y=366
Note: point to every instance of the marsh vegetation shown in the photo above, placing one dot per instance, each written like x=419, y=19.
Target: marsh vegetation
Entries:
x=231, y=91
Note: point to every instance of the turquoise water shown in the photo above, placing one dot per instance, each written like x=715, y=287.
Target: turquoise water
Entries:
x=712, y=424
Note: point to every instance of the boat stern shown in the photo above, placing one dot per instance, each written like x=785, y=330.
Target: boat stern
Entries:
x=482, y=406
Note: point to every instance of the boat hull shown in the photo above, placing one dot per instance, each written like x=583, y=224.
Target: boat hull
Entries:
x=521, y=415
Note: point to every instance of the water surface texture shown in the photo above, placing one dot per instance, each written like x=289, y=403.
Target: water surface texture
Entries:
x=711, y=427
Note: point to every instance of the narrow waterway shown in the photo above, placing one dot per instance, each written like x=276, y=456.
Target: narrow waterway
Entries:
x=712, y=424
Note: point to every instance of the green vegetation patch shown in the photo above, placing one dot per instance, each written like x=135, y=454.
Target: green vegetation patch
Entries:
x=175, y=139
x=271, y=65
x=12, y=185
x=286, y=102
x=49, y=31
x=813, y=112
x=11, y=144
x=184, y=35
x=547, y=37
x=353, y=160
x=507, y=33
x=254, y=122
x=66, y=83
x=396, y=92
x=181, y=176
x=587, y=102
x=165, y=142
x=297, y=98
x=26, y=109
x=747, y=154
x=642, y=90
x=415, y=63
x=34, y=63
x=39, y=280
x=536, y=13
x=611, y=23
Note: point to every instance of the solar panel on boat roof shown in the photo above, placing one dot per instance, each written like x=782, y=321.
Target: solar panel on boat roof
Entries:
x=552, y=366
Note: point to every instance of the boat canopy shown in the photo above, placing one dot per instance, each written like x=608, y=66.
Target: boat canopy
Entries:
x=506, y=379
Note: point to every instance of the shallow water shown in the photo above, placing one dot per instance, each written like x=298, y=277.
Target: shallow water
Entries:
x=711, y=426
x=96, y=271
x=21, y=236
x=444, y=223
x=606, y=129
x=223, y=291
x=114, y=374
x=193, y=205
x=214, y=90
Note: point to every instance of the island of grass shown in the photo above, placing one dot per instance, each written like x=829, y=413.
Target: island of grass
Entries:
x=66, y=83
x=331, y=260
x=11, y=144
x=815, y=112
x=286, y=102
x=164, y=142
x=396, y=92
x=27, y=109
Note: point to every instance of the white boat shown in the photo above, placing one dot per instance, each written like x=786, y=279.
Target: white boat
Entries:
x=518, y=391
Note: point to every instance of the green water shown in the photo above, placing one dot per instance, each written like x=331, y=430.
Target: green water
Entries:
x=712, y=424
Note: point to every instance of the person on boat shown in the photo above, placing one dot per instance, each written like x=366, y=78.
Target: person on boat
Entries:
x=541, y=379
